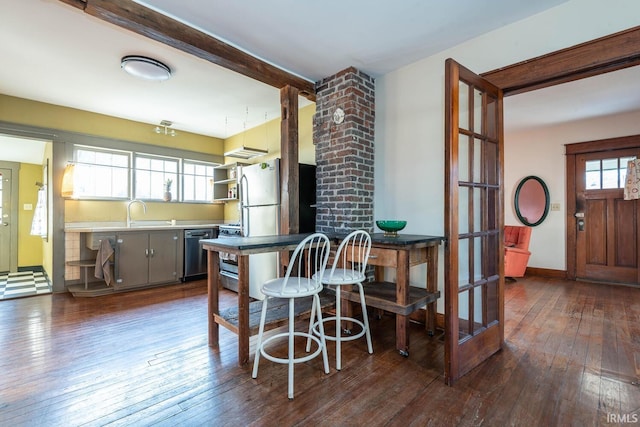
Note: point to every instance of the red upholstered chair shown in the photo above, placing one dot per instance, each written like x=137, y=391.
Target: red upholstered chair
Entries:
x=516, y=248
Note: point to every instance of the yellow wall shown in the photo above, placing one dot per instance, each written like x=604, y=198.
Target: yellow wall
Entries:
x=29, y=247
x=34, y=113
x=116, y=211
x=267, y=137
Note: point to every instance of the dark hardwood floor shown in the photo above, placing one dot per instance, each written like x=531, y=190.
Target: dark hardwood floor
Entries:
x=571, y=357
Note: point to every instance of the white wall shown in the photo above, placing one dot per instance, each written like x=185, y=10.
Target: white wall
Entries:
x=409, y=168
x=541, y=152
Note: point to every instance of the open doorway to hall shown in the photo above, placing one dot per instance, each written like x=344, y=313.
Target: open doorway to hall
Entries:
x=24, y=216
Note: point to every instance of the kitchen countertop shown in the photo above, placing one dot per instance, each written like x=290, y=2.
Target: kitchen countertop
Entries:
x=106, y=227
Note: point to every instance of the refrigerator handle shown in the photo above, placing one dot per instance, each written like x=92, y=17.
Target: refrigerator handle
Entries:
x=244, y=219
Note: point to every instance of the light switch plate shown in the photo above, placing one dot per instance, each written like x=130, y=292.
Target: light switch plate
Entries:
x=555, y=206
x=28, y=207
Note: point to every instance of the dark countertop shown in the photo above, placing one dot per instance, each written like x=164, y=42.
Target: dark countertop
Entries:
x=270, y=242
x=404, y=239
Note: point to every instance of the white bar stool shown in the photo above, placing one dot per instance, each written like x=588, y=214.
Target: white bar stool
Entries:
x=311, y=256
x=348, y=268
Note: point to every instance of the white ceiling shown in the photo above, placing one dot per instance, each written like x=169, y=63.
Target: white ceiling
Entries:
x=55, y=53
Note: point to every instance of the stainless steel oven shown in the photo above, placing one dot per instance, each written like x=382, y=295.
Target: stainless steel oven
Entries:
x=229, y=262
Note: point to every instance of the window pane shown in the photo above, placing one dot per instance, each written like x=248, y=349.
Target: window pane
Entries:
x=610, y=179
x=152, y=175
x=101, y=173
x=593, y=174
x=610, y=173
x=143, y=163
x=197, y=181
x=477, y=111
x=463, y=106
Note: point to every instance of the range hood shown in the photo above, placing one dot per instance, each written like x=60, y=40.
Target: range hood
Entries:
x=246, y=153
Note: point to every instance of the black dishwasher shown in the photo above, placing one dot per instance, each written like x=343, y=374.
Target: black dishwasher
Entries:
x=195, y=258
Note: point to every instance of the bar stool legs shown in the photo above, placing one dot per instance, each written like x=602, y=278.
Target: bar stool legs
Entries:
x=339, y=338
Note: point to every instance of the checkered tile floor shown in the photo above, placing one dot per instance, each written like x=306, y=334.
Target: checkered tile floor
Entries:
x=23, y=284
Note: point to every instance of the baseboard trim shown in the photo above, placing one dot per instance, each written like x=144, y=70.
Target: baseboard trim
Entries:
x=37, y=268
x=547, y=272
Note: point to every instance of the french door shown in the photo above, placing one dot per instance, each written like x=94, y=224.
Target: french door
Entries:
x=474, y=216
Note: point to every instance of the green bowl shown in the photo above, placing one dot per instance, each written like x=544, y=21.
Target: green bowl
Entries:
x=391, y=227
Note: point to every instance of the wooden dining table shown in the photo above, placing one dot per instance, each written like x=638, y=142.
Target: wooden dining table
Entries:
x=400, y=252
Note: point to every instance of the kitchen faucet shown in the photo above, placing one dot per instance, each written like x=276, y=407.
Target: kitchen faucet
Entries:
x=144, y=206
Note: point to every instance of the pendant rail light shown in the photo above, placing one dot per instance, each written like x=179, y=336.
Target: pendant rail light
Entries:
x=164, y=128
x=145, y=68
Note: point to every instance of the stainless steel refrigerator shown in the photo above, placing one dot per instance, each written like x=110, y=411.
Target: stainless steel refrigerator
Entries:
x=260, y=213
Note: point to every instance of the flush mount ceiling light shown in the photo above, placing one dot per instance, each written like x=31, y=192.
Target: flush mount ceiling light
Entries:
x=164, y=128
x=145, y=68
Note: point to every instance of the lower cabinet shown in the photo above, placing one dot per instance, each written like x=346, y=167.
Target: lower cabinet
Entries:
x=146, y=258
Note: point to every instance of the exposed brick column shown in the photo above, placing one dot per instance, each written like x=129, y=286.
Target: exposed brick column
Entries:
x=344, y=152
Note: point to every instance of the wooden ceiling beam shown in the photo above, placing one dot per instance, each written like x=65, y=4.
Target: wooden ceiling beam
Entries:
x=154, y=25
x=610, y=53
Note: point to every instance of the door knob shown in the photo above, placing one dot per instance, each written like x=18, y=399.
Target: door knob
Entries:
x=5, y=224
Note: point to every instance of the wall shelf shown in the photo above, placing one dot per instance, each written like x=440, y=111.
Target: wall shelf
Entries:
x=225, y=182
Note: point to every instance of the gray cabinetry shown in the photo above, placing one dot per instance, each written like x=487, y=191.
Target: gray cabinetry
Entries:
x=147, y=258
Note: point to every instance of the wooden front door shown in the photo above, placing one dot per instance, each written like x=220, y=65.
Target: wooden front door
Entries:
x=605, y=225
x=474, y=221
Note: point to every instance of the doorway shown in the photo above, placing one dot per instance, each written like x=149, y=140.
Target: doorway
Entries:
x=603, y=234
x=22, y=175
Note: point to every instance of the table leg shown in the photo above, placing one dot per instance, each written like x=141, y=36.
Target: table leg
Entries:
x=378, y=276
x=402, y=298
x=213, y=271
x=243, y=309
x=432, y=286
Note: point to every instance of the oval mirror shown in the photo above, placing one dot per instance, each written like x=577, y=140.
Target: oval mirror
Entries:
x=532, y=201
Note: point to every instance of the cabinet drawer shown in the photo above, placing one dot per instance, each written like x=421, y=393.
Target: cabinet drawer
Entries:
x=383, y=257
